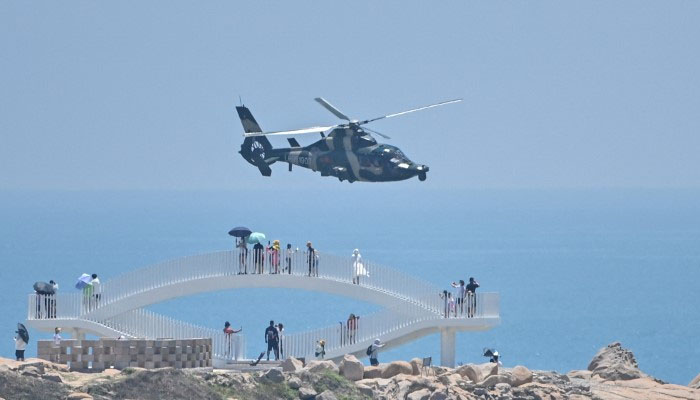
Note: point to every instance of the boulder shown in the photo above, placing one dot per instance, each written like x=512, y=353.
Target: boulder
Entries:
x=372, y=373
x=365, y=390
x=294, y=382
x=37, y=368
x=471, y=372
x=503, y=387
x=450, y=380
x=79, y=396
x=423, y=394
x=317, y=366
x=52, y=377
x=417, y=365
x=521, y=375
x=695, y=383
x=291, y=364
x=351, y=368
x=438, y=396
x=306, y=393
x=487, y=369
x=327, y=395
x=493, y=380
x=615, y=363
x=274, y=375
x=397, y=367
x=579, y=374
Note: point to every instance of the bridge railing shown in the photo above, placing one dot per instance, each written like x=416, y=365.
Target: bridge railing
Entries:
x=376, y=325
x=228, y=263
x=142, y=323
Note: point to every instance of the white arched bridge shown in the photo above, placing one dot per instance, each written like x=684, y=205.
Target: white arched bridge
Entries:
x=411, y=308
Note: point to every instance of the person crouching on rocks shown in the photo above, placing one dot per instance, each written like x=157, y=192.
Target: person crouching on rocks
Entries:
x=373, y=350
x=321, y=349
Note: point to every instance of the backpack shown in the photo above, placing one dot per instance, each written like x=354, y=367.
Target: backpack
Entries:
x=369, y=350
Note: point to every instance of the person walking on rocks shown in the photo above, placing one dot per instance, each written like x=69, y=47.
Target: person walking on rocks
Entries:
x=471, y=297
x=373, y=350
x=272, y=339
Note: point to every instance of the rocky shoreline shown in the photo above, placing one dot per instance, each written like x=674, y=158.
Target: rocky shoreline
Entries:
x=612, y=374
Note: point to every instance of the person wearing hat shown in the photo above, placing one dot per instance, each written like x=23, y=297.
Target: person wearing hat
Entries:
x=320, y=348
x=374, y=349
x=275, y=257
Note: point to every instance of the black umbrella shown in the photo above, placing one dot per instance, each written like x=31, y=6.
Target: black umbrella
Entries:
x=240, y=231
x=44, y=288
x=22, y=331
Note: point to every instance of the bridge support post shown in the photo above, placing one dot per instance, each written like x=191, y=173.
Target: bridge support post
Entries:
x=448, y=347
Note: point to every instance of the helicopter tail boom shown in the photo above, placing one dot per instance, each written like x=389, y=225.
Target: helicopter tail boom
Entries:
x=256, y=150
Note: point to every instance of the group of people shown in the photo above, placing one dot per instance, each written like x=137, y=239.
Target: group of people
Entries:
x=274, y=337
x=464, y=300
x=273, y=254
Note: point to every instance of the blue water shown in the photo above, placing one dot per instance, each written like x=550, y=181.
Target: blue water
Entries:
x=576, y=269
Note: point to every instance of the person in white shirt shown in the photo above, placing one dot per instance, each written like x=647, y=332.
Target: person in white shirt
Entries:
x=57, y=343
x=20, y=346
x=460, y=294
x=96, y=289
x=373, y=350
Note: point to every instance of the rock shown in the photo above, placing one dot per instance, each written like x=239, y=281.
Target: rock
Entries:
x=294, y=382
x=317, y=366
x=450, y=380
x=471, y=372
x=351, y=368
x=327, y=395
x=275, y=375
x=615, y=363
x=306, y=393
x=78, y=396
x=695, y=383
x=417, y=365
x=372, y=373
x=52, y=377
x=486, y=370
x=365, y=390
x=438, y=396
x=32, y=371
x=493, y=380
x=422, y=394
x=503, y=387
x=579, y=374
x=397, y=367
x=521, y=375
x=37, y=368
x=291, y=364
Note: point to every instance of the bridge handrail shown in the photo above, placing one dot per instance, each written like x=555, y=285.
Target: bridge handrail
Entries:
x=378, y=324
x=231, y=262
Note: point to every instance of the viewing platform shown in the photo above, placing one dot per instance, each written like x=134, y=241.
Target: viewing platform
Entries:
x=411, y=308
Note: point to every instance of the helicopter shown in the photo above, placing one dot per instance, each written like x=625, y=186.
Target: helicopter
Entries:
x=348, y=152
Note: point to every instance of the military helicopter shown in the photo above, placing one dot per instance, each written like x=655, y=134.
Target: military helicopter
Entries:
x=347, y=152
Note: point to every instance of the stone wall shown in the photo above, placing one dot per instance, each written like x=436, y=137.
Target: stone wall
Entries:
x=101, y=354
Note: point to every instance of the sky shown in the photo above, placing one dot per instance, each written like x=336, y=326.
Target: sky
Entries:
x=141, y=95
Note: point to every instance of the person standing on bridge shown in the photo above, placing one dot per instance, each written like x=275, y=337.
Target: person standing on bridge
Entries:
x=312, y=259
x=96, y=290
x=275, y=257
x=228, y=331
x=373, y=350
x=461, y=292
x=272, y=339
x=288, y=258
x=258, y=258
x=242, y=255
x=471, y=297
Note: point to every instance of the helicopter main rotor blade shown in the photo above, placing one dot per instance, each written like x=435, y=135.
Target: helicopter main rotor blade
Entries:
x=314, y=129
x=328, y=106
x=410, y=111
x=375, y=132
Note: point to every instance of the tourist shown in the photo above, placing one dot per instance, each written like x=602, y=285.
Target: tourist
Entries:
x=358, y=268
x=320, y=349
x=288, y=259
x=272, y=339
x=460, y=294
x=275, y=257
x=471, y=297
x=20, y=346
x=352, y=327
x=229, y=336
x=313, y=262
x=242, y=247
x=449, y=303
x=373, y=350
x=52, y=300
x=87, y=296
x=57, y=344
x=258, y=257
x=96, y=289
x=280, y=334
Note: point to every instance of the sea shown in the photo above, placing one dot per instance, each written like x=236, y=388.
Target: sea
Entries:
x=576, y=269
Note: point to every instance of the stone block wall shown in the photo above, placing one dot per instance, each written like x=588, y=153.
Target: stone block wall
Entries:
x=97, y=355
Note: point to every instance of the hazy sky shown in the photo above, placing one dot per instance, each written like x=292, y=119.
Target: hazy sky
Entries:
x=97, y=95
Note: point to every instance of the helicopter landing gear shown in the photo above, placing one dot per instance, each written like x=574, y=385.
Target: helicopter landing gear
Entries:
x=422, y=176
